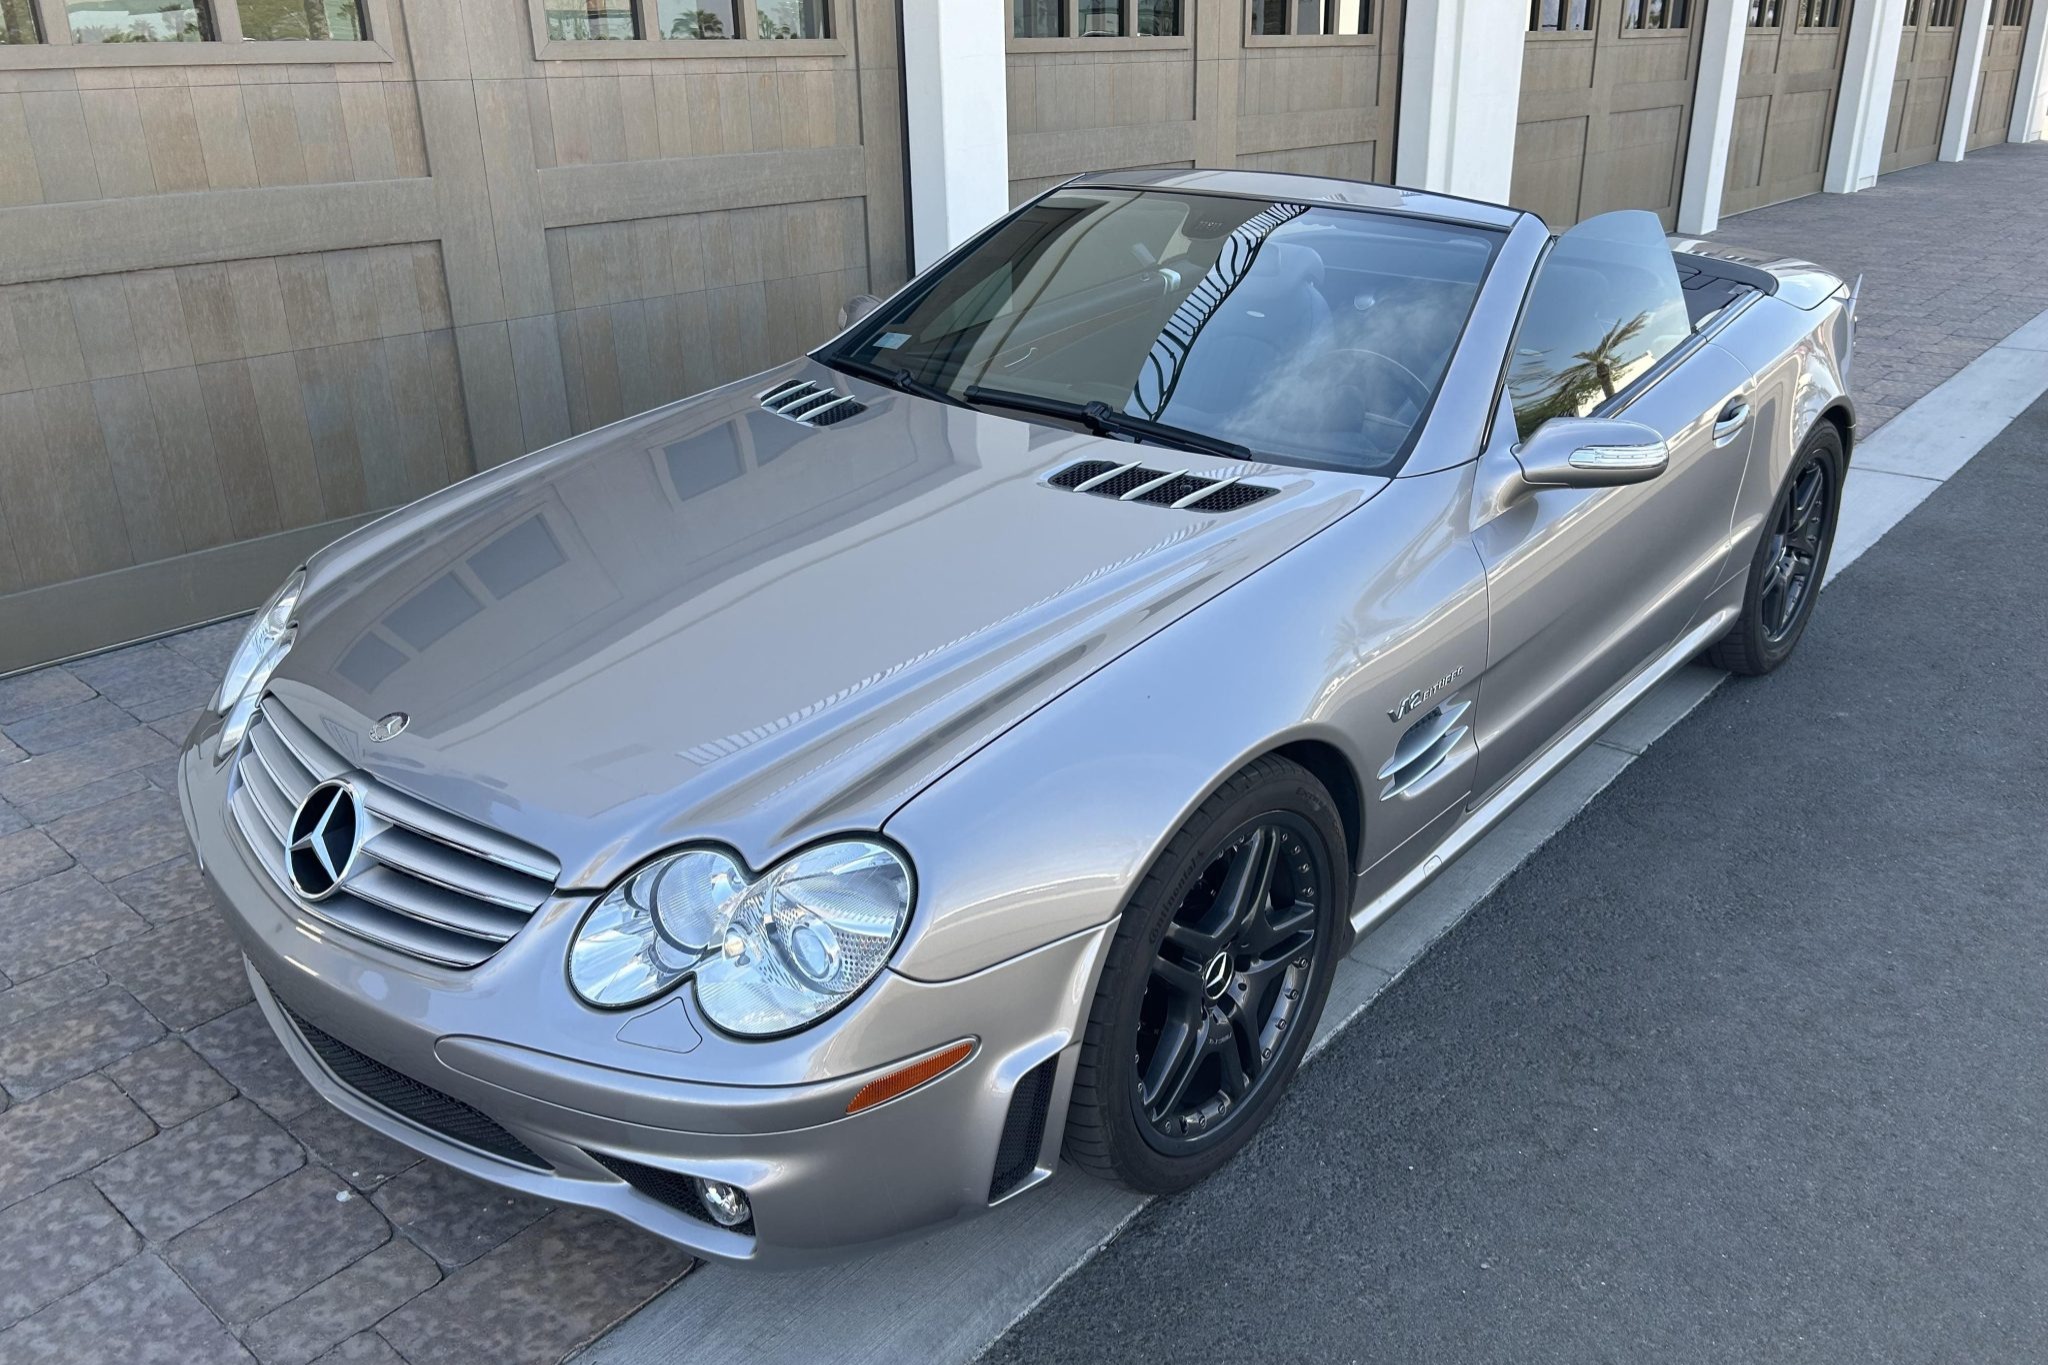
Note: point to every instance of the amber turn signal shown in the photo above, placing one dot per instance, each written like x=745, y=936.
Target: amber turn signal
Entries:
x=905, y=1079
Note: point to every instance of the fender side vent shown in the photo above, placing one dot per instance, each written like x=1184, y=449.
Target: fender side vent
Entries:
x=1424, y=748
x=809, y=402
x=1023, y=1129
x=1174, y=488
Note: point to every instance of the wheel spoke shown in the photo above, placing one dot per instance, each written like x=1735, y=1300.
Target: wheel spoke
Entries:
x=1175, y=1059
x=1237, y=1047
x=1280, y=925
x=1197, y=942
x=1248, y=884
x=1182, y=981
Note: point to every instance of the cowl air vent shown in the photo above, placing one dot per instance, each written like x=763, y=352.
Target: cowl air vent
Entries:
x=1160, y=487
x=809, y=402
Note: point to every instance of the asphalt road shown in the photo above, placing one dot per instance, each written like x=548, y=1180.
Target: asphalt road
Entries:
x=1749, y=1063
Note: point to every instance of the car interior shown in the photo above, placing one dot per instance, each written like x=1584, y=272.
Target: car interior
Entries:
x=1320, y=333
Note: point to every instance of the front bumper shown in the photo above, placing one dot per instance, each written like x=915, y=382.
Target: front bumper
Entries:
x=607, y=1123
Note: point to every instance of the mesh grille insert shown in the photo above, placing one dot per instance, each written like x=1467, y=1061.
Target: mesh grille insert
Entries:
x=1080, y=473
x=677, y=1191
x=1227, y=495
x=1126, y=481
x=1023, y=1130
x=411, y=1101
x=1230, y=498
x=1173, y=490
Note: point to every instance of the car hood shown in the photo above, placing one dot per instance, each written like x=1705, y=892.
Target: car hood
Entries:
x=711, y=622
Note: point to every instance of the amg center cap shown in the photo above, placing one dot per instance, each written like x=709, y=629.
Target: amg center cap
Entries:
x=324, y=836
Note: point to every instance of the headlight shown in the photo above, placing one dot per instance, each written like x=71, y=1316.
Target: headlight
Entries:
x=244, y=709
x=769, y=953
x=259, y=644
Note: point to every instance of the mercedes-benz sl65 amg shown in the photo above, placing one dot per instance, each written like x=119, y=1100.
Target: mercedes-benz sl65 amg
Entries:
x=804, y=814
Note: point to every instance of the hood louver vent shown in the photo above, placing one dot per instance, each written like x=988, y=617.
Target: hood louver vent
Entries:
x=1160, y=487
x=809, y=402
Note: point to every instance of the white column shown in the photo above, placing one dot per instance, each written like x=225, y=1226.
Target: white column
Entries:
x=1971, y=39
x=1713, y=116
x=1870, y=67
x=956, y=107
x=2030, y=100
x=1461, y=86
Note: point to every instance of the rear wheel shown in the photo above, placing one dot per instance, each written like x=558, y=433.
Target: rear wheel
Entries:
x=1214, y=983
x=1790, y=560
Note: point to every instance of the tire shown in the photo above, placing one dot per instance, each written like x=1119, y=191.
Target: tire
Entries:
x=1258, y=1010
x=1765, y=634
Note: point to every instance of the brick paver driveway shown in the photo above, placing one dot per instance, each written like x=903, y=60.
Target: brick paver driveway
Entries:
x=170, y=1190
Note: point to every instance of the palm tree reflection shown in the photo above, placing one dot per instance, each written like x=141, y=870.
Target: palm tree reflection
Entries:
x=1544, y=390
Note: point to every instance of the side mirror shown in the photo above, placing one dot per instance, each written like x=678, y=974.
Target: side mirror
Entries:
x=1592, y=452
x=856, y=308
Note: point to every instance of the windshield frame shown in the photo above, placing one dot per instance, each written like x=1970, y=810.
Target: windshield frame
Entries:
x=838, y=352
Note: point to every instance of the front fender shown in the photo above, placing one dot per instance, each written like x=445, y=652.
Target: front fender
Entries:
x=1049, y=829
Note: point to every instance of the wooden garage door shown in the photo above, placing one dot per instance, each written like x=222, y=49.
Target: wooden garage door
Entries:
x=1993, y=116
x=1927, y=62
x=1785, y=102
x=1606, y=99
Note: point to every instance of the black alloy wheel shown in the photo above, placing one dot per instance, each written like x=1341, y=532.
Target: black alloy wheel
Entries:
x=1790, y=560
x=1213, y=982
x=1795, y=548
x=1228, y=980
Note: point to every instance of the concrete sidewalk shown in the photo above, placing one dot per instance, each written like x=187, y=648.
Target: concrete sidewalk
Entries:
x=1745, y=1064
x=171, y=1191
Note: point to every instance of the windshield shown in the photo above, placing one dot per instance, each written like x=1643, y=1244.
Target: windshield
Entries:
x=1302, y=333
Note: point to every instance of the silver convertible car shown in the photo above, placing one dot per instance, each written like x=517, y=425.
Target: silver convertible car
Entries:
x=801, y=815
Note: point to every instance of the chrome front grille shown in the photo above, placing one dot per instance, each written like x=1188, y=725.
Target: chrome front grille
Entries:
x=423, y=882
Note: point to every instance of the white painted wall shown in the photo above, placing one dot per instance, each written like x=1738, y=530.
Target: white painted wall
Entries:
x=1973, y=36
x=1460, y=89
x=957, y=113
x=1713, y=117
x=1869, y=67
x=2030, y=99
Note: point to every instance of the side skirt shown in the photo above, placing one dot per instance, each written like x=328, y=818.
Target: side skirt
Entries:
x=1561, y=751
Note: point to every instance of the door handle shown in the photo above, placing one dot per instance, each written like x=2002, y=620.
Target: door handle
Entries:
x=1730, y=423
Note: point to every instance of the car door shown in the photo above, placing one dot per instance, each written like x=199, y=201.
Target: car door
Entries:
x=1586, y=586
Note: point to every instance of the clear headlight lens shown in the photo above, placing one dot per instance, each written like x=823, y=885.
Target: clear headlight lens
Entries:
x=244, y=709
x=259, y=645
x=769, y=954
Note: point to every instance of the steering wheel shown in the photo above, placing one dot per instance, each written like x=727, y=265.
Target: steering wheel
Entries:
x=1404, y=378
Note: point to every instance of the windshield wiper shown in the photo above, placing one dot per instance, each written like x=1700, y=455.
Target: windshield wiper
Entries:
x=1104, y=420
x=895, y=377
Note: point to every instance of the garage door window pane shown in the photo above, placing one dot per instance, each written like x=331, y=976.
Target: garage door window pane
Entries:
x=1605, y=307
x=270, y=21
x=18, y=22
x=1102, y=18
x=1655, y=14
x=1560, y=16
x=1159, y=18
x=138, y=21
x=1763, y=13
x=695, y=19
x=1820, y=13
x=793, y=19
x=1038, y=19
x=585, y=21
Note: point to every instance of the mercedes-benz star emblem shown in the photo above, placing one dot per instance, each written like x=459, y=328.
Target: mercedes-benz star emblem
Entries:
x=1216, y=976
x=324, y=836
x=391, y=727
